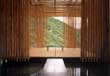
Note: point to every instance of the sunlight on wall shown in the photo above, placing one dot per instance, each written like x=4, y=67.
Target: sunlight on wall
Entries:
x=77, y=21
x=59, y=18
x=54, y=65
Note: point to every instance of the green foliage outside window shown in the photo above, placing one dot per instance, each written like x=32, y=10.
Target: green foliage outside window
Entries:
x=55, y=32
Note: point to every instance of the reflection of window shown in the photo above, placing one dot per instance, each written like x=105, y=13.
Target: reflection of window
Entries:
x=54, y=66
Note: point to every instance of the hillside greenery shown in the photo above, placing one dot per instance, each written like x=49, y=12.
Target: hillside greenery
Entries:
x=54, y=33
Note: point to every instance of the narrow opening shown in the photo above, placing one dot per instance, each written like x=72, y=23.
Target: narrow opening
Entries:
x=55, y=32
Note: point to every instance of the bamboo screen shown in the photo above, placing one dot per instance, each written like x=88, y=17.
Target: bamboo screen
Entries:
x=94, y=42
x=69, y=10
x=109, y=32
x=37, y=26
x=14, y=15
x=17, y=17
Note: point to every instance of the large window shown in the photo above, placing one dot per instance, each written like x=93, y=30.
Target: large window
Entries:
x=56, y=32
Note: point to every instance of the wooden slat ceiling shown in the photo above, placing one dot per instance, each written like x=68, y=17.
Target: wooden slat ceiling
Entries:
x=58, y=7
x=56, y=2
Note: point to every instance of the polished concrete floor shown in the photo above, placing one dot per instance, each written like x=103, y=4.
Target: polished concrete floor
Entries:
x=54, y=67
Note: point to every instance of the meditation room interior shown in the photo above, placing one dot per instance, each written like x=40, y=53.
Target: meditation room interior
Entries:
x=54, y=38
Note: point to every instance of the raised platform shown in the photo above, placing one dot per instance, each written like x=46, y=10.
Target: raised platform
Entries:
x=55, y=52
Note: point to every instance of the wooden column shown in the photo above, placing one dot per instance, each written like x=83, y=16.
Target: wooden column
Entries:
x=40, y=27
x=14, y=29
x=94, y=30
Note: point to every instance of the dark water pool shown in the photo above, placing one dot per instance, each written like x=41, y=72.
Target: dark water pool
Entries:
x=37, y=69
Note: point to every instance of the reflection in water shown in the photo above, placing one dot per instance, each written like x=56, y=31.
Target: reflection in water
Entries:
x=41, y=69
x=77, y=72
x=54, y=65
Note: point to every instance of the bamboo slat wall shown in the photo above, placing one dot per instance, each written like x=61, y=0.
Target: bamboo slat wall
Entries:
x=70, y=30
x=94, y=30
x=15, y=16
x=37, y=12
x=109, y=32
x=42, y=11
x=70, y=33
x=14, y=40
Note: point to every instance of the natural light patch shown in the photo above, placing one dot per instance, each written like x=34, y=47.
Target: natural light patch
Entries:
x=54, y=65
x=59, y=18
x=76, y=21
